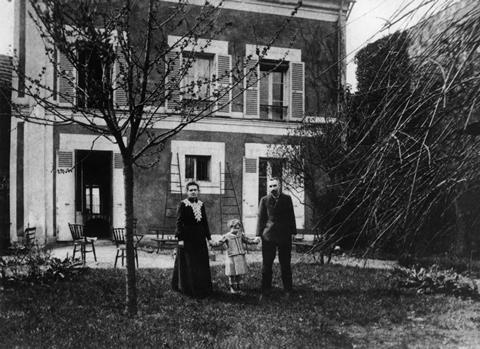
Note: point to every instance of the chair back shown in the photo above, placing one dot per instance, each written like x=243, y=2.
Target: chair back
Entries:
x=118, y=235
x=29, y=237
x=76, y=230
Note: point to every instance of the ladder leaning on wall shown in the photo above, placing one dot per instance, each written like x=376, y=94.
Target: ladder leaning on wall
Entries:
x=173, y=192
x=165, y=234
x=229, y=204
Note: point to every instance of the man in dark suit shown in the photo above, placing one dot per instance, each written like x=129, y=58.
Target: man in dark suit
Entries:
x=276, y=225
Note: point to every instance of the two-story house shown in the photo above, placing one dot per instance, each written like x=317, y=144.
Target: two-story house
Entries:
x=64, y=174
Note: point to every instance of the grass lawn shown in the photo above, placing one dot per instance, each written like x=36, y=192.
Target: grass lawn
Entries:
x=334, y=307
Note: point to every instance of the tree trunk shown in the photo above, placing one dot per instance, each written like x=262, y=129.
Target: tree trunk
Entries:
x=131, y=288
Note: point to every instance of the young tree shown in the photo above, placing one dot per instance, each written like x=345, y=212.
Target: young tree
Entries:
x=130, y=76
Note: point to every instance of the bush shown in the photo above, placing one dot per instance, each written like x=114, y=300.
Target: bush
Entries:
x=435, y=280
x=459, y=265
x=35, y=266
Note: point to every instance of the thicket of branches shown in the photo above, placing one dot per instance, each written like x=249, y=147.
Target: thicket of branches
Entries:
x=397, y=159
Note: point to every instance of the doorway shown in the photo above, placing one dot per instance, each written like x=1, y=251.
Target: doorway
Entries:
x=93, y=191
x=268, y=168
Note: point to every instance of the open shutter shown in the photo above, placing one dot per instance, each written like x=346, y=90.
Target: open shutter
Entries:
x=66, y=80
x=250, y=194
x=173, y=61
x=64, y=193
x=224, y=76
x=252, y=90
x=297, y=89
x=120, y=76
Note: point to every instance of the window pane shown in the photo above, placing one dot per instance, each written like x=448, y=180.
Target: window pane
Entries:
x=264, y=90
x=88, y=200
x=276, y=165
x=262, y=167
x=96, y=200
x=198, y=75
x=189, y=167
x=202, y=168
x=277, y=88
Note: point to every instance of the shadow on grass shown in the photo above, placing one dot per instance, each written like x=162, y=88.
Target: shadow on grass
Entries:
x=90, y=310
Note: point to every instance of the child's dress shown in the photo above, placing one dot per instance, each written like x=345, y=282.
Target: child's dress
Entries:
x=235, y=261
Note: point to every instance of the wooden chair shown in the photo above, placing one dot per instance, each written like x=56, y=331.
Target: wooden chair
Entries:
x=82, y=243
x=27, y=244
x=163, y=237
x=119, y=238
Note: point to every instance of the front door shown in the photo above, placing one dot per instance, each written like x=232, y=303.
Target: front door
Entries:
x=258, y=166
x=93, y=191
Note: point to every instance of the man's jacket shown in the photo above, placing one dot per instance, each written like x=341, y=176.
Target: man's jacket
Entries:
x=276, y=219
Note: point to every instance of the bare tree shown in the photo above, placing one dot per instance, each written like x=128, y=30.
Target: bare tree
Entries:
x=139, y=79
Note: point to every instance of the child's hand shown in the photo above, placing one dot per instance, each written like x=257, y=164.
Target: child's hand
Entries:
x=257, y=239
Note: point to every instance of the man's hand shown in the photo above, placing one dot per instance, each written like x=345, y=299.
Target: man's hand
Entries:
x=180, y=243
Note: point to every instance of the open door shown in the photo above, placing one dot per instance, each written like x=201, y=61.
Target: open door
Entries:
x=93, y=191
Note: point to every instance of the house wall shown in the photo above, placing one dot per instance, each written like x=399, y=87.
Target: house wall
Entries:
x=5, y=115
x=152, y=186
x=42, y=194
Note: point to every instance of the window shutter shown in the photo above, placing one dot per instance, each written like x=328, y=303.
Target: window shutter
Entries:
x=120, y=76
x=67, y=80
x=65, y=159
x=117, y=161
x=173, y=61
x=224, y=76
x=252, y=95
x=297, y=89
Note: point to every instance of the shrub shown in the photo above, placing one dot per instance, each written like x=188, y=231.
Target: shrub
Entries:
x=35, y=265
x=446, y=261
x=435, y=280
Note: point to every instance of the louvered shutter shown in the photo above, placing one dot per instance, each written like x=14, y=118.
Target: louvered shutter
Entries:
x=173, y=61
x=252, y=95
x=224, y=76
x=297, y=89
x=250, y=193
x=120, y=75
x=66, y=80
x=65, y=159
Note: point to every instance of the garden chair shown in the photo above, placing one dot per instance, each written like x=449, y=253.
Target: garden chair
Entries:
x=120, y=242
x=21, y=249
x=82, y=243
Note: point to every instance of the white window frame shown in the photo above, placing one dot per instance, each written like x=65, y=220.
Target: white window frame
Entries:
x=273, y=53
x=216, y=151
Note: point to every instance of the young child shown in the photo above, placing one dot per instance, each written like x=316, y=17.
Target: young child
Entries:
x=235, y=261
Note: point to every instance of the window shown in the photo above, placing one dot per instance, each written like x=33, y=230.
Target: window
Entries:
x=273, y=104
x=93, y=77
x=92, y=199
x=197, y=160
x=197, y=80
x=197, y=167
x=279, y=91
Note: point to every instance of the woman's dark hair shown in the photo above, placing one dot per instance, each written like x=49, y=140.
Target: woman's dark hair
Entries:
x=189, y=184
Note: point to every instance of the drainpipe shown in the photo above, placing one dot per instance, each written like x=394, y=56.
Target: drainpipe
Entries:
x=340, y=56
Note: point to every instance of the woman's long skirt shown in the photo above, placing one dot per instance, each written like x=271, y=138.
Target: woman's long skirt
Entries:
x=191, y=272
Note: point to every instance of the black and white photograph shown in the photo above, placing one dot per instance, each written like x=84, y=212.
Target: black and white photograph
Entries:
x=240, y=174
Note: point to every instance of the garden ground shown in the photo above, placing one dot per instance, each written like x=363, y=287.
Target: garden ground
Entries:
x=334, y=306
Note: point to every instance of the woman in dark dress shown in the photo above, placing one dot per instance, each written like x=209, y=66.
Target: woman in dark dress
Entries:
x=191, y=272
